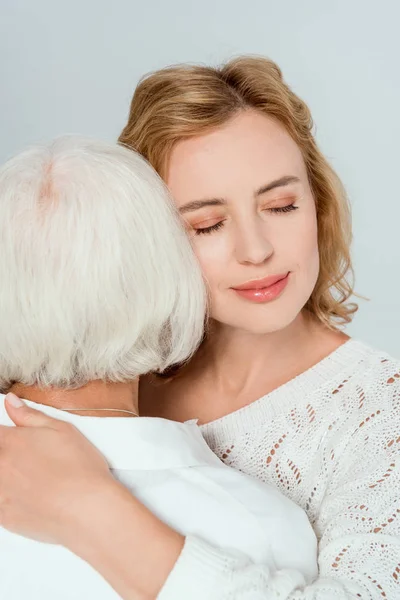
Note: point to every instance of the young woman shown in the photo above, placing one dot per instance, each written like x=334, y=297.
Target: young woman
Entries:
x=280, y=391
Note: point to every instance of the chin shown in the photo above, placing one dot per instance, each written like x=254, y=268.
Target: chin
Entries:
x=261, y=322
x=267, y=326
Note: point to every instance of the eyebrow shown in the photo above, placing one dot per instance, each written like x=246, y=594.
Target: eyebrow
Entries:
x=197, y=204
x=281, y=182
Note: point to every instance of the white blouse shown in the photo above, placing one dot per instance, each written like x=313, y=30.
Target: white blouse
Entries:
x=170, y=468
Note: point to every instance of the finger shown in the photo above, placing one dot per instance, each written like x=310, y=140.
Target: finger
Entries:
x=24, y=416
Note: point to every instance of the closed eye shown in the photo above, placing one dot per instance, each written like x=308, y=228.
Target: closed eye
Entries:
x=283, y=209
x=220, y=224
x=209, y=229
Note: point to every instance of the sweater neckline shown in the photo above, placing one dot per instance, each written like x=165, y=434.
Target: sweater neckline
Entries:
x=293, y=393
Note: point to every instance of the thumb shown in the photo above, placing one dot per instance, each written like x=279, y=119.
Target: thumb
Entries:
x=23, y=415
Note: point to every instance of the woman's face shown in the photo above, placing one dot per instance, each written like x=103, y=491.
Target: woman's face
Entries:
x=244, y=195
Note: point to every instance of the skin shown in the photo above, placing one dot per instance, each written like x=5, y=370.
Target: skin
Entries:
x=234, y=164
x=96, y=394
x=266, y=225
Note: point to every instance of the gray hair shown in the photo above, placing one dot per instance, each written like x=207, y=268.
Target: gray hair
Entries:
x=98, y=279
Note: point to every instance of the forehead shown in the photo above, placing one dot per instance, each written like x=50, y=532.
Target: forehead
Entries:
x=246, y=153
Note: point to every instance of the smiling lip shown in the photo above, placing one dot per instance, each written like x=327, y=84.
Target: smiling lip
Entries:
x=263, y=290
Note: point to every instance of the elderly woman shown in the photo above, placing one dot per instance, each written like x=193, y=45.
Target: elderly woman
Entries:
x=100, y=285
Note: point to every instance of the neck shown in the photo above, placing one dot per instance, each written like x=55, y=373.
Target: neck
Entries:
x=272, y=358
x=94, y=395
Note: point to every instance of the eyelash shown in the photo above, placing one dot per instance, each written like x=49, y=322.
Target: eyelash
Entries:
x=278, y=210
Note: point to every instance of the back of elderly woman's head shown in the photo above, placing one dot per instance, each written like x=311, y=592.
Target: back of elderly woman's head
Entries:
x=98, y=279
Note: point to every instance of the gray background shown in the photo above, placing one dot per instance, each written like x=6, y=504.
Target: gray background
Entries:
x=71, y=67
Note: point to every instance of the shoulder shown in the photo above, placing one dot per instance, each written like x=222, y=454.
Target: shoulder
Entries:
x=373, y=383
x=357, y=411
x=366, y=409
x=264, y=501
x=378, y=363
x=382, y=382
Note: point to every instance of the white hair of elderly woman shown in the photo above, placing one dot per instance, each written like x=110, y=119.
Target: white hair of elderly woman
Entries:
x=98, y=278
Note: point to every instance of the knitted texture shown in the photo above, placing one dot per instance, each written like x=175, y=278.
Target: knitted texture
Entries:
x=330, y=440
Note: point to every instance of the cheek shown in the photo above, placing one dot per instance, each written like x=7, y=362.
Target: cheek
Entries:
x=297, y=242
x=212, y=256
x=308, y=242
x=307, y=248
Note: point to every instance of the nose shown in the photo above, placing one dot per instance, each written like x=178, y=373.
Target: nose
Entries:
x=252, y=245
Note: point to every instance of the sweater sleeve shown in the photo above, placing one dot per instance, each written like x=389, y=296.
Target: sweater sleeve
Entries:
x=358, y=528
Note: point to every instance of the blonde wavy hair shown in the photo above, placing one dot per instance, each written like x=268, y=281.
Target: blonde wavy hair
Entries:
x=184, y=101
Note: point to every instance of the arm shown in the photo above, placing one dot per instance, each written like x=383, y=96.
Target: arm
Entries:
x=141, y=557
x=133, y=550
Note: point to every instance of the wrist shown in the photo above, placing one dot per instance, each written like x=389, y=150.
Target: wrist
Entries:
x=87, y=515
x=130, y=547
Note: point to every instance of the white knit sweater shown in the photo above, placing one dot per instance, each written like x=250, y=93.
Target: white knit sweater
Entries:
x=330, y=440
